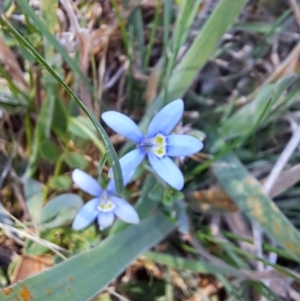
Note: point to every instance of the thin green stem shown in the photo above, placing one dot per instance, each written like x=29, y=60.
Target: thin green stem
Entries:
x=28, y=131
x=56, y=173
x=121, y=24
x=152, y=35
x=58, y=165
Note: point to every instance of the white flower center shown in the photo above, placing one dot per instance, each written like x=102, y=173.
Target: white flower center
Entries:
x=105, y=204
x=156, y=145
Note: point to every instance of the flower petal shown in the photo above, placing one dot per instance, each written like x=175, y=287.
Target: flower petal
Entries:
x=111, y=187
x=123, y=125
x=86, y=214
x=166, y=119
x=86, y=183
x=105, y=219
x=182, y=145
x=130, y=162
x=167, y=170
x=125, y=211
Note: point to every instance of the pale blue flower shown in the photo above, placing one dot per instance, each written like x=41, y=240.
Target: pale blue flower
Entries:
x=158, y=145
x=104, y=206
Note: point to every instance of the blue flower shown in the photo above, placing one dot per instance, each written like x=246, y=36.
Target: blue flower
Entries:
x=104, y=206
x=158, y=144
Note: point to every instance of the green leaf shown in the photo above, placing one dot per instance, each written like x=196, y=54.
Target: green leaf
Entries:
x=75, y=160
x=256, y=27
x=114, y=161
x=171, y=196
x=182, y=217
x=248, y=116
x=33, y=248
x=49, y=151
x=61, y=210
x=249, y=196
x=198, y=54
x=49, y=17
x=60, y=117
x=86, y=274
x=101, y=165
x=40, y=25
x=81, y=127
x=42, y=132
x=34, y=198
x=3, y=278
x=60, y=182
x=76, y=126
x=152, y=35
x=188, y=11
x=137, y=20
x=193, y=265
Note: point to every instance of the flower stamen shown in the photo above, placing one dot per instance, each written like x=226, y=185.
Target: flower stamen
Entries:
x=106, y=205
x=160, y=140
x=156, y=145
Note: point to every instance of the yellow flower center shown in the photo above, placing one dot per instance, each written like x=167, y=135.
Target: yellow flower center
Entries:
x=156, y=145
x=160, y=139
x=105, y=204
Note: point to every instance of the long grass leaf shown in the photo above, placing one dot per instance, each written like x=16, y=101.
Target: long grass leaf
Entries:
x=249, y=196
x=246, y=117
x=85, y=275
x=111, y=151
x=42, y=132
x=181, y=263
x=217, y=25
x=41, y=26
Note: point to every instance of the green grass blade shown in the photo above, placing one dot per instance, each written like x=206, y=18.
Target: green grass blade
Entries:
x=48, y=11
x=40, y=25
x=60, y=211
x=42, y=132
x=114, y=161
x=249, y=256
x=137, y=21
x=124, y=33
x=187, y=13
x=85, y=275
x=76, y=123
x=186, y=16
x=248, y=116
x=249, y=196
x=12, y=85
x=193, y=265
x=166, y=28
x=33, y=191
x=152, y=35
x=198, y=53
x=229, y=287
x=184, y=20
